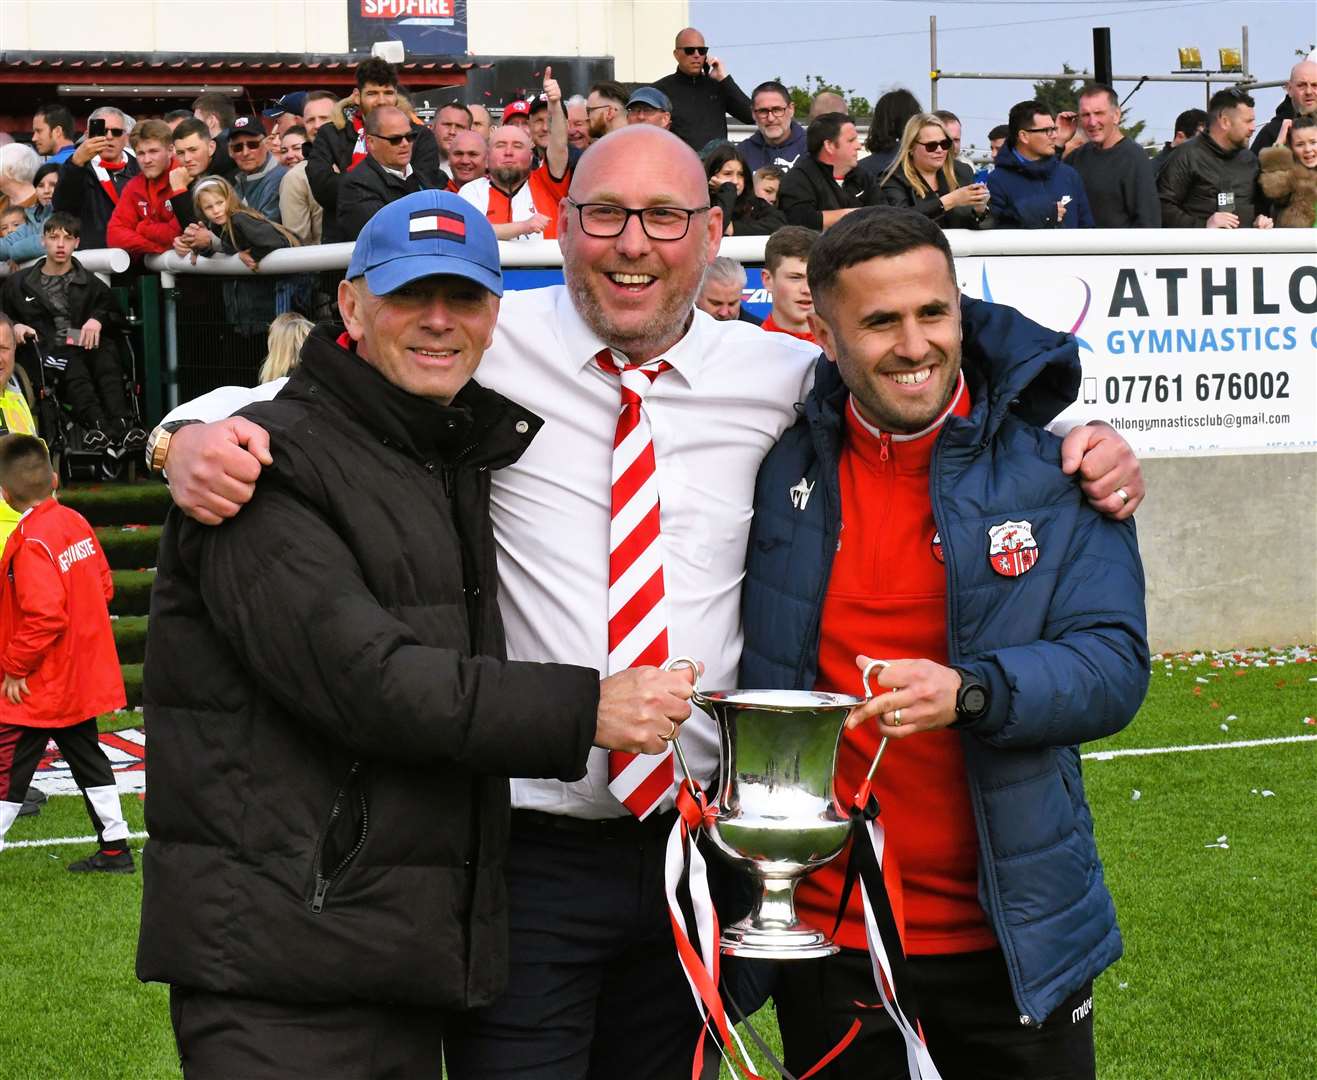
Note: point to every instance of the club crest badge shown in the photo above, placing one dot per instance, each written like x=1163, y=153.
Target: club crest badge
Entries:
x=935, y=545
x=1012, y=550
x=800, y=494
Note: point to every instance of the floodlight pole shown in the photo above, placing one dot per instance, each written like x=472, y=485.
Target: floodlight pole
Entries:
x=932, y=63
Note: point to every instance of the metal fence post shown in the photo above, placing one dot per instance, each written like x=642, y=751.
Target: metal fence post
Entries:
x=170, y=287
x=148, y=289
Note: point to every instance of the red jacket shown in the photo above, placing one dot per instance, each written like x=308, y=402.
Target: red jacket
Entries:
x=143, y=222
x=54, y=621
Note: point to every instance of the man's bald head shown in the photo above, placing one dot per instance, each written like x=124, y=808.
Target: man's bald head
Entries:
x=651, y=144
x=468, y=156
x=386, y=117
x=690, y=51
x=827, y=102
x=1302, y=87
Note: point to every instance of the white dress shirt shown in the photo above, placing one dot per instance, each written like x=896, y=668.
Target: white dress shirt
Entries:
x=714, y=417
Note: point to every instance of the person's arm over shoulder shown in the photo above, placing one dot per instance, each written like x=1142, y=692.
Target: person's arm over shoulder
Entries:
x=1087, y=678
x=43, y=607
x=23, y=243
x=359, y=201
x=342, y=664
x=425, y=153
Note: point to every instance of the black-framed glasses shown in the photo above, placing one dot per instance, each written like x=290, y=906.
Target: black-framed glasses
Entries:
x=606, y=220
x=695, y=50
x=394, y=140
x=771, y=111
x=1042, y=130
x=940, y=144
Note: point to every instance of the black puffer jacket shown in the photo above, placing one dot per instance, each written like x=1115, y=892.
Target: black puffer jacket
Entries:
x=331, y=718
x=1197, y=174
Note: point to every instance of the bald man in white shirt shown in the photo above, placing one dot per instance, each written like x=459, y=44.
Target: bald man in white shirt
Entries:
x=595, y=988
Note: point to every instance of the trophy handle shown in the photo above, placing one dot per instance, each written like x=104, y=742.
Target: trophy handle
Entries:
x=698, y=699
x=868, y=693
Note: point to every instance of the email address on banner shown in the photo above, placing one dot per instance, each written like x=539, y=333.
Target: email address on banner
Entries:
x=1224, y=420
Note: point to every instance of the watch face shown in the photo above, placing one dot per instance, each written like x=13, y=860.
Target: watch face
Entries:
x=974, y=700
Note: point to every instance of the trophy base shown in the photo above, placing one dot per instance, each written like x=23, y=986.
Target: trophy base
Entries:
x=797, y=942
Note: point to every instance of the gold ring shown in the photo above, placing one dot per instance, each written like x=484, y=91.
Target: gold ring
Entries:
x=1124, y=495
x=896, y=718
x=671, y=734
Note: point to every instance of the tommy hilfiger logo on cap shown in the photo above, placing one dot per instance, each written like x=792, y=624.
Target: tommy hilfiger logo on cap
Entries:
x=436, y=224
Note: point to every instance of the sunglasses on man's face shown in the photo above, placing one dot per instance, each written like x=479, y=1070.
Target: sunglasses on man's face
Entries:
x=695, y=50
x=394, y=140
x=936, y=145
x=245, y=147
x=113, y=133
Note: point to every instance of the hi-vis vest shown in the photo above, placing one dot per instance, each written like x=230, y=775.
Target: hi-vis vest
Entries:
x=15, y=419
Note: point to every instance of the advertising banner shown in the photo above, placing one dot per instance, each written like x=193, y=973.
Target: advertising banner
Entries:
x=1181, y=353
x=425, y=27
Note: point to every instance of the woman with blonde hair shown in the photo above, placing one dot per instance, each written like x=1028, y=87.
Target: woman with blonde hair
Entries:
x=287, y=333
x=923, y=177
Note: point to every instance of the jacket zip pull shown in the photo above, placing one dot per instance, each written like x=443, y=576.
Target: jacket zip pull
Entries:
x=448, y=480
x=884, y=445
x=322, y=887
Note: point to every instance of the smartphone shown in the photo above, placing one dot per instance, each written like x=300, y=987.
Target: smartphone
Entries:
x=707, y=69
x=96, y=127
x=981, y=177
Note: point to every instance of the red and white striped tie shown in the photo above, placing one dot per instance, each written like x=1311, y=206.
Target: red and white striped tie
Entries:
x=637, y=615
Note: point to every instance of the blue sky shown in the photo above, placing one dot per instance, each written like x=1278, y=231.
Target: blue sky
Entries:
x=876, y=45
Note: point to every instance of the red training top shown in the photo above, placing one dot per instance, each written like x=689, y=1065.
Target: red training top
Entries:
x=887, y=598
x=55, y=623
x=773, y=328
x=143, y=222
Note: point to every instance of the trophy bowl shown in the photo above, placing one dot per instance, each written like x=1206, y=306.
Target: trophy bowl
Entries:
x=776, y=814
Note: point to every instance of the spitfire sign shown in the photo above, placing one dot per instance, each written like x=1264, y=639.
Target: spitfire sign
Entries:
x=425, y=27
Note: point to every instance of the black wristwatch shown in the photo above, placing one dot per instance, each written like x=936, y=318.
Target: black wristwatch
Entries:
x=972, y=699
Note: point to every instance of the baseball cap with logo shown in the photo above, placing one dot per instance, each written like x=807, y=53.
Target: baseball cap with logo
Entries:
x=294, y=102
x=426, y=234
x=247, y=125
x=516, y=108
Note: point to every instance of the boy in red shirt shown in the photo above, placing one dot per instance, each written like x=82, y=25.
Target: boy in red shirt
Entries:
x=786, y=256
x=59, y=662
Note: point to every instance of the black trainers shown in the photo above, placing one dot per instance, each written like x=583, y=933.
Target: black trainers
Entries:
x=106, y=861
x=134, y=439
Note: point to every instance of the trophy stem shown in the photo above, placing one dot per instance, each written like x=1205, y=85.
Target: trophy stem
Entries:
x=772, y=931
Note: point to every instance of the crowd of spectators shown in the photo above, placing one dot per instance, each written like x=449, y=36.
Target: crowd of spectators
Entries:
x=315, y=166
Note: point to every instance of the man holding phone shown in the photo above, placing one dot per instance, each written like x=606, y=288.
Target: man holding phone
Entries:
x=91, y=181
x=702, y=93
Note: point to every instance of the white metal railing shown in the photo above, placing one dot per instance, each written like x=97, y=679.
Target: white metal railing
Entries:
x=97, y=260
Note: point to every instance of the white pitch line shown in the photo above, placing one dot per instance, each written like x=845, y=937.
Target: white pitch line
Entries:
x=1107, y=755
x=56, y=840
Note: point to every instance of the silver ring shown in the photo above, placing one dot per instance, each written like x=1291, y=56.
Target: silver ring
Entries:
x=896, y=718
x=1124, y=495
x=671, y=734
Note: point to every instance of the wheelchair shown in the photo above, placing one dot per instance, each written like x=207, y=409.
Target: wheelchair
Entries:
x=41, y=376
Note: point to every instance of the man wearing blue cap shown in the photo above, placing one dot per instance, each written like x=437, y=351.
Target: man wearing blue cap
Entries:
x=332, y=715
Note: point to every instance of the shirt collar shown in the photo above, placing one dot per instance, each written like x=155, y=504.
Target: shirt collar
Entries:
x=401, y=174
x=877, y=432
x=583, y=344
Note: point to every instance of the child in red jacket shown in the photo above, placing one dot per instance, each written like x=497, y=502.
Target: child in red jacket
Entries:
x=143, y=222
x=59, y=662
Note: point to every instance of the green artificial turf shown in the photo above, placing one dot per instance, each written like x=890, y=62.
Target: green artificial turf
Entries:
x=132, y=592
x=1220, y=952
x=129, y=547
x=144, y=503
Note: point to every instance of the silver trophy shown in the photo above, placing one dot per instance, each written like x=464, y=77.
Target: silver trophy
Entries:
x=776, y=813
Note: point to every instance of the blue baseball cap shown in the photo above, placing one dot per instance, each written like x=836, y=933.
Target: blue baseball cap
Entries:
x=425, y=234
x=651, y=96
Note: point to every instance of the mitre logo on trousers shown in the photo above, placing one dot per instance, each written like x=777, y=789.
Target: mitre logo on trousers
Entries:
x=1012, y=550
